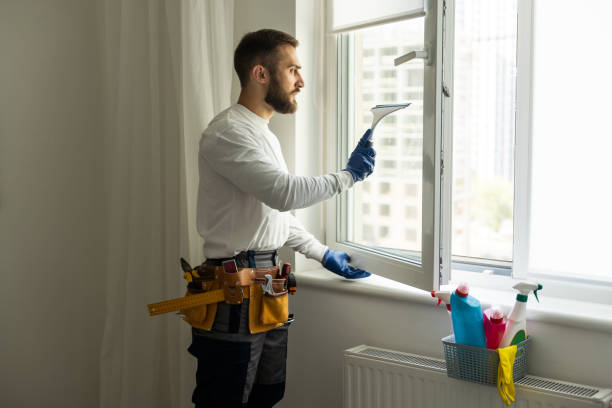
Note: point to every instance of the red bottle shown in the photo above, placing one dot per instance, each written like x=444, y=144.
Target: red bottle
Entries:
x=494, y=326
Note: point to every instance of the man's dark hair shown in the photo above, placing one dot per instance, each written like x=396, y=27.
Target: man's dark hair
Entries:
x=259, y=47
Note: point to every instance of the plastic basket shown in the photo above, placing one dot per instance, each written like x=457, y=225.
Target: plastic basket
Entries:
x=480, y=365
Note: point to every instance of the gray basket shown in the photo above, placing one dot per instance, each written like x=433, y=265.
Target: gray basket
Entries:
x=480, y=365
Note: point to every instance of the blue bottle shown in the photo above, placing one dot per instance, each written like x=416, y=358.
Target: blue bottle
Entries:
x=467, y=318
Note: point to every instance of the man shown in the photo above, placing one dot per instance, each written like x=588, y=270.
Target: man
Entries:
x=245, y=195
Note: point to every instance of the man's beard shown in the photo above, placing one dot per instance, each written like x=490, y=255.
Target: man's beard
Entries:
x=279, y=100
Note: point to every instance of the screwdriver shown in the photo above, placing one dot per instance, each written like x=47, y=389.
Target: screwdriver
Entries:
x=289, y=278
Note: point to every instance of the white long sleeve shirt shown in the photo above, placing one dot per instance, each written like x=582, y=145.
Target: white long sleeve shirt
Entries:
x=246, y=191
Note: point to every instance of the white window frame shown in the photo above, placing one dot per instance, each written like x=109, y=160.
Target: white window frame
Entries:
x=577, y=289
x=522, y=148
x=522, y=144
x=434, y=269
x=437, y=221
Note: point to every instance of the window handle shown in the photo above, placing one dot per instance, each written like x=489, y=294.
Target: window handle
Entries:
x=422, y=54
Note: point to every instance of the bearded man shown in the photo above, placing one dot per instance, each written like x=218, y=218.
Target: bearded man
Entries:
x=244, y=198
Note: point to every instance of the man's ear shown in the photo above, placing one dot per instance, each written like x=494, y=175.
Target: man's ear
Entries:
x=260, y=74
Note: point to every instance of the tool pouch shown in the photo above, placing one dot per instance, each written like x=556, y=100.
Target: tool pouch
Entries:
x=201, y=317
x=275, y=308
x=234, y=284
x=268, y=311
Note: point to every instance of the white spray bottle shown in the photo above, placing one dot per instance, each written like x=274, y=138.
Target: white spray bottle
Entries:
x=444, y=296
x=516, y=327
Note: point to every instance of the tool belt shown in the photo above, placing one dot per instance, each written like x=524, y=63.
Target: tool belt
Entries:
x=266, y=289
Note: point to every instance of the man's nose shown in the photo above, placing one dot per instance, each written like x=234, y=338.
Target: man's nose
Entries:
x=300, y=81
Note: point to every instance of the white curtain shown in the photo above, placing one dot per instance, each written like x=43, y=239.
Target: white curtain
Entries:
x=168, y=71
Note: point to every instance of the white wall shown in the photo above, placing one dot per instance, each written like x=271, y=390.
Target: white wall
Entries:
x=51, y=204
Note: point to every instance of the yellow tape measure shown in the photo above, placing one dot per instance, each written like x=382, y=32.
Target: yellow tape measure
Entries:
x=186, y=302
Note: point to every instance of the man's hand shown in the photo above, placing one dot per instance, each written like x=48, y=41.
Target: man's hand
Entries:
x=337, y=262
x=361, y=162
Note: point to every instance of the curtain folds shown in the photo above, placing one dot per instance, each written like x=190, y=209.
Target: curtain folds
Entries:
x=168, y=71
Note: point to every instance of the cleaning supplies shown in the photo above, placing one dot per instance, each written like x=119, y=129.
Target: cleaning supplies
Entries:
x=444, y=296
x=505, y=382
x=494, y=326
x=517, y=320
x=467, y=318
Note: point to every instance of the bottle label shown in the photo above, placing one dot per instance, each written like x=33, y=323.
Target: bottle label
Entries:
x=518, y=337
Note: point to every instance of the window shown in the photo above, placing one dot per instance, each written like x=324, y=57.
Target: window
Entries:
x=483, y=129
x=570, y=201
x=388, y=51
x=389, y=74
x=388, y=164
x=412, y=145
x=391, y=120
x=384, y=210
x=522, y=189
x=411, y=235
x=384, y=188
x=413, y=77
x=521, y=178
x=405, y=140
x=411, y=190
x=388, y=141
x=368, y=233
x=389, y=97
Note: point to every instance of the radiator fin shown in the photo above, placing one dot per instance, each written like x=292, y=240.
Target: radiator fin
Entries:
x=558, y=386
x=405, y=358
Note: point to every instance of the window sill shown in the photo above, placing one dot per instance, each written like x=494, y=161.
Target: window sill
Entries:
x=557, y=311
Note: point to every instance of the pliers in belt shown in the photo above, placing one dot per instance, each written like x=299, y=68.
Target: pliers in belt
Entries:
x=189, y=273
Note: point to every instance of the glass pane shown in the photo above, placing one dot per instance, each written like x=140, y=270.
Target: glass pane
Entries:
x=571, y=198
x=386, y=208
x=483, y=128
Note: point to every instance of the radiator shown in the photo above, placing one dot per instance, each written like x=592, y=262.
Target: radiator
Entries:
x=379, y=378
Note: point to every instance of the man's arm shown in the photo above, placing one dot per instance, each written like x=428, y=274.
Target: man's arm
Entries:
x=335, y=261
x=303, y=241
x=236, y=155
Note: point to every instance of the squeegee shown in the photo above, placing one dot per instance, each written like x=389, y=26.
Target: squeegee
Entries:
x=380, y=111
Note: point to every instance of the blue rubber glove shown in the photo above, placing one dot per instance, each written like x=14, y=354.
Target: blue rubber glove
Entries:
x=337, y=262
x=361, y=162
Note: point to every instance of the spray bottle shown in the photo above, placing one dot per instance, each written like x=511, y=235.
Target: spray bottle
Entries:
x=517, y=320
x=444, y=296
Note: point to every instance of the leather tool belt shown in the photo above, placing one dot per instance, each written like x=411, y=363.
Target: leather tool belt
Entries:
x=209, y=284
